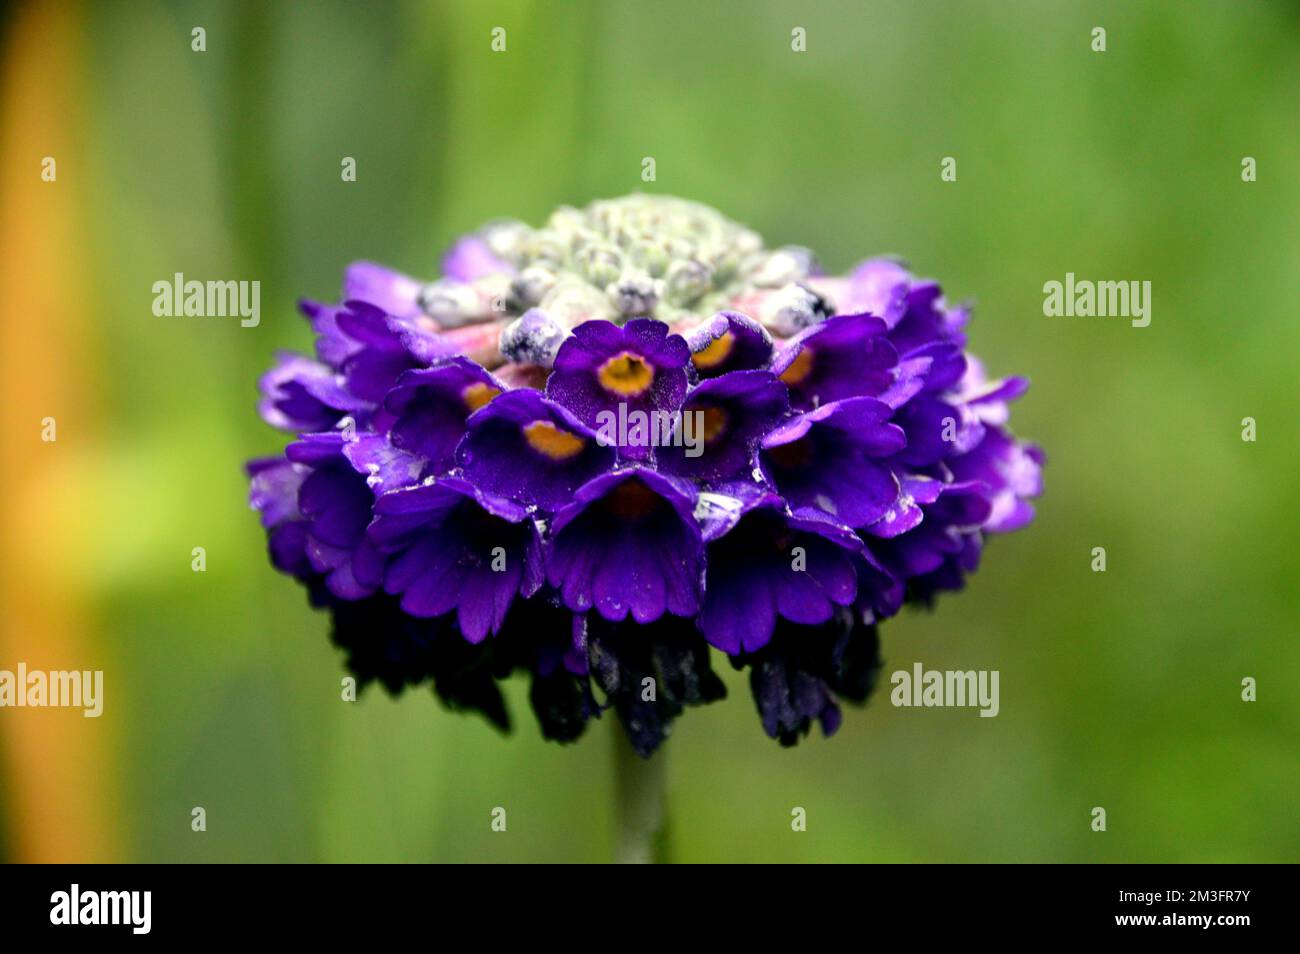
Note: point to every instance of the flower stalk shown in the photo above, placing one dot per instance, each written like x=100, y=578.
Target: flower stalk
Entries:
x=640, y=804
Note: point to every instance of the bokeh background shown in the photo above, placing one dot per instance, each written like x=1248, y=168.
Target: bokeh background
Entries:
x=1119, y=689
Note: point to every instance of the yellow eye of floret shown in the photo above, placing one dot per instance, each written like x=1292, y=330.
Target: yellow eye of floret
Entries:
x=715, y=352
x=799, y=368
x=550, y=441
x=626, y=374
x=478, y=394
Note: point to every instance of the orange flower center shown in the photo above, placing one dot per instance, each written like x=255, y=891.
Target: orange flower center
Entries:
x=715, y=352
x=478, y=394
x=799, y=368
x=626, y=374
x=552, y=442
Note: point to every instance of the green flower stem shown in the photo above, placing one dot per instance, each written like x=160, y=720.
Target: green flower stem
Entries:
x=640, y=814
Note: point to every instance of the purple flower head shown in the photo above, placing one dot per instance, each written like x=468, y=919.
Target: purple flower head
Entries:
x=528, y=448
x=602, y=369
x=599, y=450
x=729, y=341
x=426, y=408
x=628, y=544
x=450, y=546
x=835, y=459
x=770, y=564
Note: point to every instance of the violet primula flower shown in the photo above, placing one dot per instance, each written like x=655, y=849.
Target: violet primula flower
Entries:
x=729, y=341
x=773, y=563
x=605, y=373
x=628, y=544
x=451, y=546
x=531, y=449
x=836, y=459
x=426, y=409
x=600, y=451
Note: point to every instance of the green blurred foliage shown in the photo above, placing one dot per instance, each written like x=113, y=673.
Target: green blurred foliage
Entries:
x=1118, y=689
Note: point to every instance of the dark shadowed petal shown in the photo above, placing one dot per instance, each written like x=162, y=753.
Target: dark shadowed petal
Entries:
x=668, y=651
x=383, y=643
x=801, y=675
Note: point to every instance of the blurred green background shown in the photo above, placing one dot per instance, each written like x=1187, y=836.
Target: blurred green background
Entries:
x=1119, y=689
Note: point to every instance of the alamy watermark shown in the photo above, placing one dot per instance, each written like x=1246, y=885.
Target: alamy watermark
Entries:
x=58, y=689
x=1086, y=299
x=211, y=299
x=637, y=428
x=75, y=906
x=948, y=688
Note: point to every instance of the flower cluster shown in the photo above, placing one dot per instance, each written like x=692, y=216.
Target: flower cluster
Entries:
x=453, y=500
